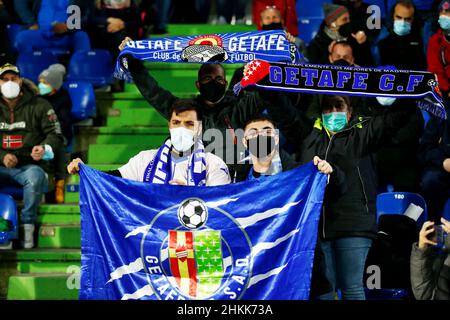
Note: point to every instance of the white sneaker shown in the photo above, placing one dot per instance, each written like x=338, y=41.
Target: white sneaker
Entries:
x=6, y=246
x=28, y=236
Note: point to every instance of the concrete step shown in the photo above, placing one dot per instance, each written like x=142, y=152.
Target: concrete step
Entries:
x=135, y=117
x=59, y=236
x=41, y=286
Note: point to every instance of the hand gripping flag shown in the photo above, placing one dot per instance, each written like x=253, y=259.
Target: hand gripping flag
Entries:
x=238, y=47
x=353, y=81
x=251, y=240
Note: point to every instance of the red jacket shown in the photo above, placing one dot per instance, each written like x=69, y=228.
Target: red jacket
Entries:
x=438, y=58
x=288, y=12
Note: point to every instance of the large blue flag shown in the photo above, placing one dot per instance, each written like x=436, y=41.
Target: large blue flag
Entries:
x=251, y=240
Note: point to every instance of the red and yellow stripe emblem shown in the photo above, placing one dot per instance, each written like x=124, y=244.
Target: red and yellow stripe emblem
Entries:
x=182, y=261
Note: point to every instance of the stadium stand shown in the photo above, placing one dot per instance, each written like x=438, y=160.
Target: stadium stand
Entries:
x=32, y=64
x=51, y=271
x=94, y=66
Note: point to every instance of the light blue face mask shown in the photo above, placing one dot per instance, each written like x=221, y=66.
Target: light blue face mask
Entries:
x=334, y=121
x=402, y=27
x=386, y=101
x=44, y=89
x=444, y=22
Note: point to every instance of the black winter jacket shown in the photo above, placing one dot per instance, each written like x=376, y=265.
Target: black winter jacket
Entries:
x=352, y=213
x=430, y=273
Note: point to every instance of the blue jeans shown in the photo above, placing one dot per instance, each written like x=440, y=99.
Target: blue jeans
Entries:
x=34, y=40
x=345, y=259
x=33, y=180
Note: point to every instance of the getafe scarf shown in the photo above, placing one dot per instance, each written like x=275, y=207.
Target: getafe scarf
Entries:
x=159, y=169
x=354, y=81
x=238, y=47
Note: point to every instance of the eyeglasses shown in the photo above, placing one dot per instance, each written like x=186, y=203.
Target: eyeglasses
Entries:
x=253, y=133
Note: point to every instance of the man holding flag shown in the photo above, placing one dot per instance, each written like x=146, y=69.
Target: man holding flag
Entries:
x=181, y=160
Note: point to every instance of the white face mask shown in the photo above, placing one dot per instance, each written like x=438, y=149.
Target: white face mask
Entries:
x=10, y=90
x=182, y=138
x=386, y=101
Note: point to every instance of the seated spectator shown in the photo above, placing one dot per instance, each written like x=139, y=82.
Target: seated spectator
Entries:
x=226, y=9
x=48, y=27
x=434, y=154
x=403, y=47
x=30, y=132
x=271, y=19
x=288, y=12
x=338, y=27
x=438, y=56
x=7, y=16
x=113, y=20
x=430, y=266
x=181, y=160
x=50, y=88
x=359, y=15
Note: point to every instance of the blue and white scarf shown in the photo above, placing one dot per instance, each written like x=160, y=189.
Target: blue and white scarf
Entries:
x=159, y=169
x=237, y=47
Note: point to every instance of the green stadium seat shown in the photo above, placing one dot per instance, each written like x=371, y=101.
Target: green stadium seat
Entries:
x=113, y=153
x=135, y=117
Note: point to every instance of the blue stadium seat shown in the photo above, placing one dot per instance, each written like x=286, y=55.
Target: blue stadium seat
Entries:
x=13, y=30
x=83, y=99
x=308, y=28
x=94, y=66
x=446, y=211
x=8, y=211
x=32, y=64
x=308, y=8
x=398, y=202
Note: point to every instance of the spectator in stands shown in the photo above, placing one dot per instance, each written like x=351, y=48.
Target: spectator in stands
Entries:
x=271, y=19
x=288, y=12
x=48, y=28
x=434, y=154
x=226, y=9
x=50, y=88
x=430, y=266
x=438, y=56
x=403, y=47
x=7, y=16
x=224, y=113
x=348, y=224
x=265, y=157
x=340, y=54
x=360, y=15
x=338, y=27
x=114, y=20
x=30, y=132
x=181, y=160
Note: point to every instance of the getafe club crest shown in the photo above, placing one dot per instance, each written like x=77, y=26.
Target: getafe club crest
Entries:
x=194, y=260
x=208, y=48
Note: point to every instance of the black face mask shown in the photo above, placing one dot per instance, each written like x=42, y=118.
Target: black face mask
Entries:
x=341, y=63
x=261, y=146
x=345, y=30
x=212, y=91
x=273, y=26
